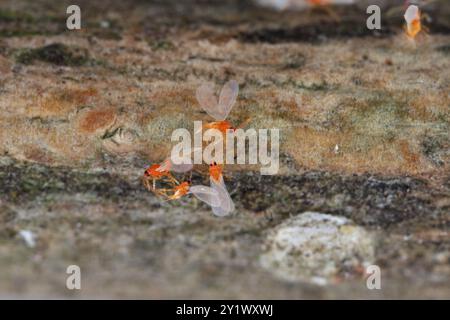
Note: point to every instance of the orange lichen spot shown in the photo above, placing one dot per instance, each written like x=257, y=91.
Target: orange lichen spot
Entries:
x=63, y=101
x=410, y=157
x=97, y=120
x=5, y=65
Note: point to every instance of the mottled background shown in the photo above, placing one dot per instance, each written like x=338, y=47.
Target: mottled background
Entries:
x=364, y=119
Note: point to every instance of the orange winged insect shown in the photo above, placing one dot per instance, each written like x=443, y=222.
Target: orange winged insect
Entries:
x=413, y=21
x=324, y=5
x=318, y=2
x=203, y=193
x=218, y=109
x=163, y=171
x=215, y=196
x=226, y=205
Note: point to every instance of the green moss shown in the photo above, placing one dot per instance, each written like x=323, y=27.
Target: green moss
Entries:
x=56, y=53
x=321, y=86
x=19, y=33
x=162, y=45
x=161, y=128
x=19, y=183
x=19, y=24
x=371, y=122
x=444, y=49
x=111, y=31
x=435, y=147
x=12, y=16
x=378, y=116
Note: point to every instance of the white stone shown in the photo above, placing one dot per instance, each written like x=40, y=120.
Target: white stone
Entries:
x=315, y=247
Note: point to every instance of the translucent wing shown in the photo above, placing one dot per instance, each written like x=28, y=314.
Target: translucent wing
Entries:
x=164, y=166
x=226, y=204
x=206, y=194
x=412, y=13
x=180, y=168
x=208, y=101
x=227, y=98
x=220, y=211
x=168, y=165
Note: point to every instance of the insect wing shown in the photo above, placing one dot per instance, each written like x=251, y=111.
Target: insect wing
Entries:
x=226, y=204
x=169, y=165
x=180, y=168
x=206, y=194
x=185, y=166
x=227, y=98
x=208, y=101
x=412, y=13
x=164, y=166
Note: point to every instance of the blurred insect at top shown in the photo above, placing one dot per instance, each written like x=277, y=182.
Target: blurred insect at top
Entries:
x=300, y=4
x=413, y=24
x=318, y=2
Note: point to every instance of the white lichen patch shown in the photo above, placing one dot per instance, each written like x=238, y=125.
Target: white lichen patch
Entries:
x=317, y=248
x=161, y=127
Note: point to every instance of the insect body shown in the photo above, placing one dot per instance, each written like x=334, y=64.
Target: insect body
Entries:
x=216, y=180
x=318, y=2
x=179, y=191
x=413, y=23
x=222, y=126
x=163, y=171
x=203, y=193
x=156, y=171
